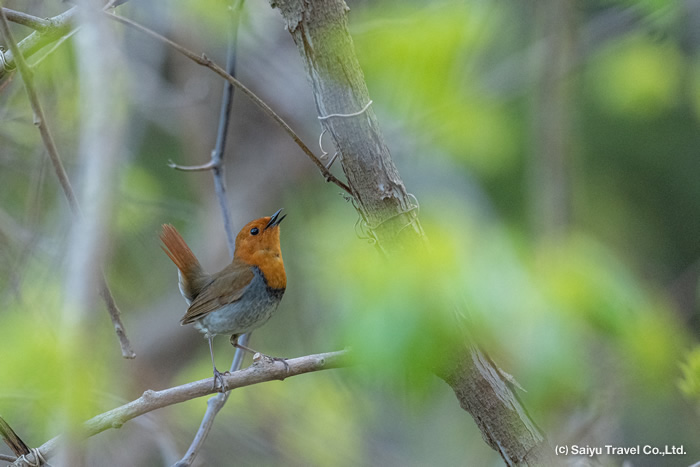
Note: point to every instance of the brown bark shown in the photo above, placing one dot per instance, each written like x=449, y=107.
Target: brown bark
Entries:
x=504, y=423
x=319, y=29
x=320, y=32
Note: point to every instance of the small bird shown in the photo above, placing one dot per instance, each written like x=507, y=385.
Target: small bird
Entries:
x=242, y=296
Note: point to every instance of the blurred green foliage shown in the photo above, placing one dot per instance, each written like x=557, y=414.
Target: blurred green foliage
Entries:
x=438, y=44
x=50, y=369
x=638, y=77
x=690, y=384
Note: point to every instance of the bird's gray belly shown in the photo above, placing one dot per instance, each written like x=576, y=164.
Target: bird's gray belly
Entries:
x=254, y=309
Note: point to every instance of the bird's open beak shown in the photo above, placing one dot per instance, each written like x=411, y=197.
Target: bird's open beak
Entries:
x=275, y=220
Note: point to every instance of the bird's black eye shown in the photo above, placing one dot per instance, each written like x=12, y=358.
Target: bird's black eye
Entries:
x=254, y=231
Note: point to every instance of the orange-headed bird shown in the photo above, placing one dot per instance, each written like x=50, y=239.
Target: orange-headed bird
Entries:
x=242, y=296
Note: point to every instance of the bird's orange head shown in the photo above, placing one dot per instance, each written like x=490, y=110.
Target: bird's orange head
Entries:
x=258, y=244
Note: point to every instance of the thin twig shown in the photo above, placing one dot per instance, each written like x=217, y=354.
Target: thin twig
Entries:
x=192, y=168
x=39, y=120
x=204, y=61
x=216, y=403
x=24, y=19
x=115, y=316
x=54, y=28
x=6, y=458
x=52, y=150
x=261, y=371
x=60, y=25
x=11, y=438
x=217, y=155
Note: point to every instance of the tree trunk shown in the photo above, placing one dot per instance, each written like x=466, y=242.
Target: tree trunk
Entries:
x=319, y=29
x=320, y=32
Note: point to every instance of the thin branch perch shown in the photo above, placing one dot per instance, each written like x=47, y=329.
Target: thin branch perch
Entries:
x=261, y=371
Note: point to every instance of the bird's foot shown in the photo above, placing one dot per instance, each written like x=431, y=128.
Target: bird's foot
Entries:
x=219, y=378
x=259, y=356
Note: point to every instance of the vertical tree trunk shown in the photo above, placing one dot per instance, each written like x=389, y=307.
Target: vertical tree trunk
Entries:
x=319, y=29
x=320, y=32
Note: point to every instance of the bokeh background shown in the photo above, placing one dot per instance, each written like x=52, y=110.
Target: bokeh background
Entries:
x=553, y=145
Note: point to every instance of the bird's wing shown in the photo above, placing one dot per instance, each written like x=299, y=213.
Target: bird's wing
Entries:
x=226, y=287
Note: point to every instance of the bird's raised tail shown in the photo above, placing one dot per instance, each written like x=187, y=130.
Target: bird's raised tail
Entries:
x=178, y=251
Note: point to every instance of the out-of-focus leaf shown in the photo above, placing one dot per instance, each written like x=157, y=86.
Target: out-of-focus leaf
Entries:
x=637, y=77
x=419, y=68
x=690, y=383
x=46, y=373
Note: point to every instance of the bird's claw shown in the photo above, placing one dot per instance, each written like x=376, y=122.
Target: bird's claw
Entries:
x=284, y=361
x=219, y=378
x=259, y=356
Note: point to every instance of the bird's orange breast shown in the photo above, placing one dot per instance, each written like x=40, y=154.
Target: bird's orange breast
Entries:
x=272, y=268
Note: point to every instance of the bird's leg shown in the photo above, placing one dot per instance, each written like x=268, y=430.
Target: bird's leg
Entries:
x=234, y=339
x=218, y=376
x=234, y=342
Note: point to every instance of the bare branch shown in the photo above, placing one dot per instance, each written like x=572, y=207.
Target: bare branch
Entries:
x=59, y=26
x=211, y=165
x=52, y=150
x=217, y=155
x=51, y=30
x=262, y=370
x=115, y=316
x=11, y=438
x=62, y=24
x=24, y=19
x=216, y=403
x=204, y=61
